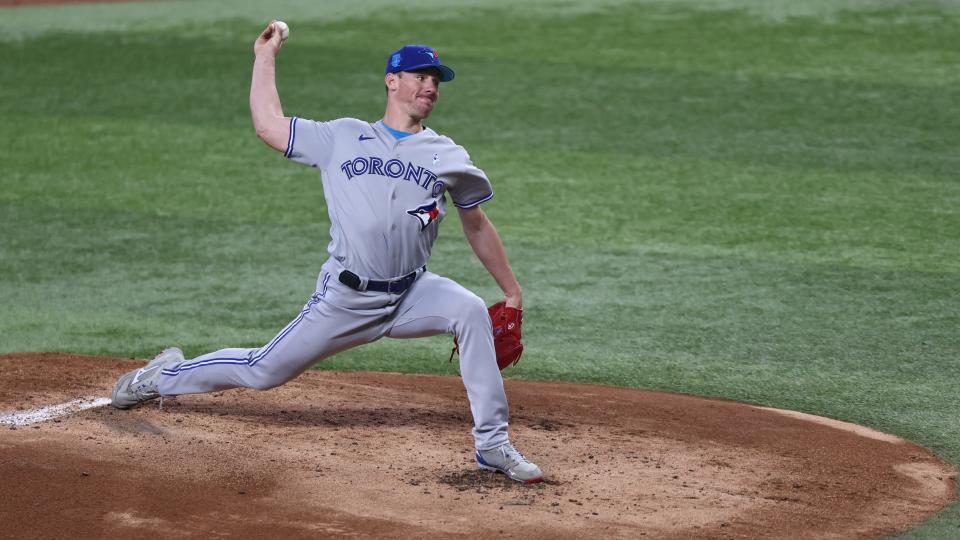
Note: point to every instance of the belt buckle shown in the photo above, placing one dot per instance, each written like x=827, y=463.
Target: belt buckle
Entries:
x=402, y=284
x=398, y=286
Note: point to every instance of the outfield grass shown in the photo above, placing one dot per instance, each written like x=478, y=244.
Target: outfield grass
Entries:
x=753, y=200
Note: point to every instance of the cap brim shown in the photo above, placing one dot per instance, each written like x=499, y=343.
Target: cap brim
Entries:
x=446, y=74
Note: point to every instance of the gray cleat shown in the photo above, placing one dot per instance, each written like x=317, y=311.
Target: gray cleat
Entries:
x=507, y=460
x=140, y=385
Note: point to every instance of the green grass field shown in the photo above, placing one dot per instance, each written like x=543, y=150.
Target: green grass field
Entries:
x=752, y=200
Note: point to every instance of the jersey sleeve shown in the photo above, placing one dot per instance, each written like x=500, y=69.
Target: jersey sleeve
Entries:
x=469, y=186
x=310, y=142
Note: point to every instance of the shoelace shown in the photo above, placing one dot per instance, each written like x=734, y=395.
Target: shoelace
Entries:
x=509, y=452
x=145, y=388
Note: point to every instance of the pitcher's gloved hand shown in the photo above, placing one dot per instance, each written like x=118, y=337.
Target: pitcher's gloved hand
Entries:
x=507, y=332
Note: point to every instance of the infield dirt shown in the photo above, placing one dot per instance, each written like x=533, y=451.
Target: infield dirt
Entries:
x=390, y=455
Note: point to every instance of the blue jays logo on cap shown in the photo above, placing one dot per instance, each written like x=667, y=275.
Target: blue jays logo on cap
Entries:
x=413, y=57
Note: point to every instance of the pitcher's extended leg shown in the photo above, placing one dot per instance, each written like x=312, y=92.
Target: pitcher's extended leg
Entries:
x=322, y=329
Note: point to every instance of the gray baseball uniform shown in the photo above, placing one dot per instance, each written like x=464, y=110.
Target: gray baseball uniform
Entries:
x=386, y=198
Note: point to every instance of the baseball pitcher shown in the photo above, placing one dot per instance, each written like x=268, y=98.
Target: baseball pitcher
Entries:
x=386, y=186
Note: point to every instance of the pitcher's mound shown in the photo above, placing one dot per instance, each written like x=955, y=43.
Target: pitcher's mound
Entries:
x=389, y=455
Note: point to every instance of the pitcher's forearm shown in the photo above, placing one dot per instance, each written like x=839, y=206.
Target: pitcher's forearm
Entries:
x=486, y=243
x=265, y=108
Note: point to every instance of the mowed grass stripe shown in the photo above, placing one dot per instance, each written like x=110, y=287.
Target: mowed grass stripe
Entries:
x=866, y=219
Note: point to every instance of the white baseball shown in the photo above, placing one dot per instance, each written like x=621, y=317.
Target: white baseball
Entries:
x=284, y=30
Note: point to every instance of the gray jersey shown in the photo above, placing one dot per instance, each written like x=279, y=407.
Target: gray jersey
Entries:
x=385, y=196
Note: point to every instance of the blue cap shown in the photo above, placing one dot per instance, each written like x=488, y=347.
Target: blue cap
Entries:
x=413, y=57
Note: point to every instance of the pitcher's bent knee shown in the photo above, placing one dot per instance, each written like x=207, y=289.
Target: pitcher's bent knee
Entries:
x=471, y=313
x=265, y=378
x=266, y=385
x=475, y=310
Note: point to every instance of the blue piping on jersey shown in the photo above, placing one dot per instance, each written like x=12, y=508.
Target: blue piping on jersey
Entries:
x=291, y=137
x=471, y=205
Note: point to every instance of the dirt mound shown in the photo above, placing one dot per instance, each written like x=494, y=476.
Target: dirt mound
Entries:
x=390, y=455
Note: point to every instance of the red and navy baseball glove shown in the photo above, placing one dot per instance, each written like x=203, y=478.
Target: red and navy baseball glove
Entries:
x=507, y=330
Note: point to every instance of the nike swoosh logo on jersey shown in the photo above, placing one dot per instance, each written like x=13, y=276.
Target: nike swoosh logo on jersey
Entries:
x=142, y=371
x=362, y=138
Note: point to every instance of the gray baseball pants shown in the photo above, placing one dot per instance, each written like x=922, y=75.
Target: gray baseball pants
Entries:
x=337, y=318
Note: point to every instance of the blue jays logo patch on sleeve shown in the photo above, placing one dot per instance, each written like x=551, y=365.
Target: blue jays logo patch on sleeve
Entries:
x=426, y=214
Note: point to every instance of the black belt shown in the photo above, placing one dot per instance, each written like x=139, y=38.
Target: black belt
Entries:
x=396, y=286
